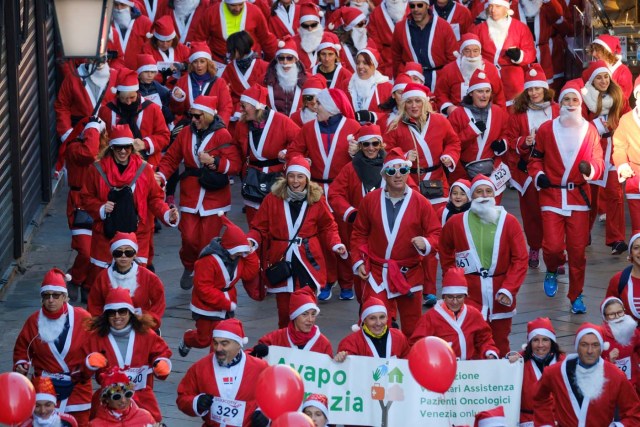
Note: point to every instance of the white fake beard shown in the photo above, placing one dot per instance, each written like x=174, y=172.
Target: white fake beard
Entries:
x=395, y=9
x=469, y=65
x=310, y=39
x=362, y=7
x=52, y=421
x=185, y=8
x=307, y=115
x=591, y=380
x=50, y=329
x=101, y=76
x=287, y=78
x=359, y=37
x=485, y=208
x=128, y=281
x=590, y=97
x=570, y=118
x=531, y=8
x=623, y=329
x=498, y=30
x=122, y=17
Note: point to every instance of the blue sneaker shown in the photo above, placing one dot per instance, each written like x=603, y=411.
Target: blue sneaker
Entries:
x=346, y=294
x=429, y=300
x=551, y=284
x=578, y=307
x=325, y=292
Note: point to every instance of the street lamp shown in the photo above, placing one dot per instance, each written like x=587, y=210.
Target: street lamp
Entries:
x=83, y=26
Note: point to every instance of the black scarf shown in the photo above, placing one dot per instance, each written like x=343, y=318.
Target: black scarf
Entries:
x=452, y=209
x=245, y=63
x=368, y=170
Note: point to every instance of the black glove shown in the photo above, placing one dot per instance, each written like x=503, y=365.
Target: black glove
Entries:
x=482, y=126
x=260, y=350
x=522, y=165
x=258, y=419
x=513, y=53
x=352, y=217
x=365, y=116
x=498, y=146
x=204, y=403
x=543, y=181
x=584, y=167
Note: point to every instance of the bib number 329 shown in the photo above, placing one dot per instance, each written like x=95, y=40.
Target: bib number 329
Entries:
x=227, y=411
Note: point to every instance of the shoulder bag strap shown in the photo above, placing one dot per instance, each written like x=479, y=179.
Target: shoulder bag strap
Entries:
x=102, y=174
x=138, y=173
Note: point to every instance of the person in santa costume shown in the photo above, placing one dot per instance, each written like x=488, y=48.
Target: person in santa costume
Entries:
x=293, y=224
x=425, y=38
x=458, y=16
x=284, y=79
x=329, y=66
x=567, y=155
x=45, y=413
x=204, y=144
x=382, y=23
x=302, y=331
x=128, y=31
x=325, y=142
x=150, y=8
x=309, y=35
x=395, y=228
x=201, y=79
x=604, y=104
x=491, y=418
x=459, y=324
x=487, y=242
x=373, y=337
x=222, y=263
x=120, y=337
x=453, y=80
x=621, y=331
x=116, y=404
x=414, y=71
x=481, y=126
x=224, y=18
x=226, y=374
x=607, y=48
x=584, y=389
x=146, y=289
x=508, y=44
x=167, y=51
x=532, y=107
x=389, y=108
x=626, y=283
x=150, y=89
x=316, y=406
x=310, y=91
x=185, y=14
x=50, y=343
x=367, y=88
x=284, y=18
x=459, y=200
x=350, y=25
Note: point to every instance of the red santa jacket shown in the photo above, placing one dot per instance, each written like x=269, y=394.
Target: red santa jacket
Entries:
x=46, y=359
x=506, y=273
x=130, y=44
x=318, y=343
x=150, y=8
x=530, y=382
x=135, y=417
x=236, y=383
x=180, y=53
x=379, y=94
x=347, y=191
x=468, y=334
x=143, y=350
x=435, y=141
x=562, y=169
x=214, y=289
x=629, y=293
x=621, y=74
x=180, y=105
x=380, y=30
x=148, y=296
x=66, y=420
x=193, y=198
x=185, y=30
x=460, y=19
x=374, y=243
x=239, y=82
x=359, y=344
x=564, y=408
x=341, y=77
x=284, y=22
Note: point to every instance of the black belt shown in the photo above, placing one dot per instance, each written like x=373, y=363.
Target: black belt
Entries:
x=426, y=170
x=304, y=242
x=264, y=163
x=484, y=273
x=74, y=188
x=322, y=181
x=297, y=240
x=403, y=269
x=572, y=186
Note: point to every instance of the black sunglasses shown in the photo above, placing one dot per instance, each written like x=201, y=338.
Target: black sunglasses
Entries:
x=416, y=5
x=308, y=98
x=195, y=115
x=121, y=312
x=392, y=171
x=366, y=144
x=361, y=24
x=129, y=253
x=47, y=296
x=286, y=58
x=122, y=147
x=309, y=26
x=117, y=396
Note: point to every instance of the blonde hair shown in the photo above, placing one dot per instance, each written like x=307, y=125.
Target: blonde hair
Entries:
x=211, y=67
x=426, y=110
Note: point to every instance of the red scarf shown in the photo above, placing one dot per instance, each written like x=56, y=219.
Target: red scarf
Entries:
x=299, y=338
x=57, y=314
x=119, y=180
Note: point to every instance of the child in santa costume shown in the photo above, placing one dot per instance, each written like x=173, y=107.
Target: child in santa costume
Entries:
x=491, y=418
x=459, y=201
x=45, y=413
x=316, y=407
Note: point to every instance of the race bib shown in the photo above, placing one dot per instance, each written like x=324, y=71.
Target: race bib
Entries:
x=500, y=176
x=466, y=261
x=624, y=365
x=227, y=411
x=138, y=376
x=456, y=31
x=155, y=98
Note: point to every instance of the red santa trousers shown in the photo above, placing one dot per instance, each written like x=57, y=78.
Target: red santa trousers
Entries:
x=81, y=243
x=82, y=417
x=338, y=269
x=501, y=328
x=531, y=217
x=408, y=308
x=201, y=336
x=611, y=197
x=196, y=232
x=430, y=265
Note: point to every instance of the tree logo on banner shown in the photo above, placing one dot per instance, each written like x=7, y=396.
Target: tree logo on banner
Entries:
x=393, y=393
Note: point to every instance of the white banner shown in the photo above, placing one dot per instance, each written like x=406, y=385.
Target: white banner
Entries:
x=382, y=393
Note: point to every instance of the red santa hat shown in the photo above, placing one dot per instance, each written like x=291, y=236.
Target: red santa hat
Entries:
x=329, y=41
x=313, y=85
x=634, y=236
x=415, y=90
x=126, y=81
x=478, y=80
x=347, y=17
x=231, y=329
x=401, y=81
x=491, y=418
x=45, y=389
x=541, y=326
x=233, y=239
x=595, y=68
x=122, y=239
x=395, y=157
x=590, y=328
x=454, y=282
x=256, y=95
x=118, y=298
x=146, y=62
x=479, y=180
x=373, y=55
x=302, y=300
x=610, y=43
x=309, y=12
x=163, y=29
x=287, y=46
x=317, y=400
x=336, y=102
x=55, y=280
x=120, y=135
x=413, y=69
x=571, y=86
x=369, y=132
x=199, y=50
x=129, y=3
x=464, y=185
x=299, y=164
x=371, y=305
x=114, y=380
x=468, y=39
x=208, y=104
x=534, y=77
x=606, y=302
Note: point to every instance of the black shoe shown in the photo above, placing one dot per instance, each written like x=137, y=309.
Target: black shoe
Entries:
x=619, y=247
x=186, y=281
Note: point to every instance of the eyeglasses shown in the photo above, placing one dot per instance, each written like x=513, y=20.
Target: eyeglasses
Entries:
x=287, y=58
x=129, y=253
x=308, y=98
x=362, y=24
x=55, y=295
x=121, y=312
x=122, y=147
x=416, y=5
x=615, y=315
x=195, y=116
x=453, y=297
x=117, y=396
x=309, y=26
x=392, y=171
x=366, y=144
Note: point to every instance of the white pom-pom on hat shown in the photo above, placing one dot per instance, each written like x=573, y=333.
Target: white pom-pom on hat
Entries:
x=482, y=75
x=533, y=73
x=456, y=54
x=113, y=89
x=338, y=47
x=350, y=137
x=321, y=13
x=220, y=213
x=524, y=346
x=245, y=340
x=355, y=328
x=149, y=35
x=331, y=26
x=280, y=44
x=67, y=277
x=584, y=91
x=606, y=345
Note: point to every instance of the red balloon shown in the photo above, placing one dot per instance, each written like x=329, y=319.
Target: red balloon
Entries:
x=279, y=390
x=17, y=398
x=433, y=364
x=293, y=419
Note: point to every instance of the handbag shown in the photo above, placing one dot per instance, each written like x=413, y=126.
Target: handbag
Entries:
x=477, y=167
x=257, y=184
x=281, y=270
x=82, y=219
x=429, y=188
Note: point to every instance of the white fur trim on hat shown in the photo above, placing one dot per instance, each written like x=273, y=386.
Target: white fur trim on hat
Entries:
x=504, y=3
x=392, y=163
x=401, y=86
x=570, y=90
x=464, y=188
x=53, y=288
x=132, y=88
x=198, y=55
x=536, y=83
x=316, y=404
x=127, y=2
x=455, y=290
x=469, y=43
x=299, y=169
x=414, y=94
x=218, y=333
x=634, y=237
x=415, y=73
x=603, y=44
x=303, y=308
x=164, y=38
x=493, y=422
x=252, y=101
x=121, y=141
x=482, y=182
x=351, y=25
x=117, y=306
x=597, y=71
x=541, y=331
x=328, y=45
x=204, y=108
x=371, y=56
x=234, y=1
x=289, y=51
x=122, y=242
x=369, y=137
x=586, y=331
x=605, y=303
x=240, y=248
x=311, y=91
x=51, y=398
x=373, y=309
x=307, y=18
x=148, y=67
x=325, y=99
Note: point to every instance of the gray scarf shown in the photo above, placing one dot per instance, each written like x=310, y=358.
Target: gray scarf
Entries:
x=539, y=105
x=296, y=196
